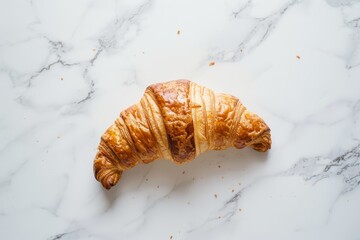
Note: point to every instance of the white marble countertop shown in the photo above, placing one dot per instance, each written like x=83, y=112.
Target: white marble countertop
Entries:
x=67, y=68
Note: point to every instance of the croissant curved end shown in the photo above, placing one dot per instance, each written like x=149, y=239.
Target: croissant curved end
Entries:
x=106, y=173
x=263, y=142
x=253, y=132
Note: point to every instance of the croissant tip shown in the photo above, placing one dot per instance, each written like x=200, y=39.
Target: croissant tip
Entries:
x=111, y=181
x=107, y=174
x=109, y=178
x=263, y=143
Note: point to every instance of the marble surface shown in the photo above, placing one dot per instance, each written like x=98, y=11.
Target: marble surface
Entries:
x=67, y=69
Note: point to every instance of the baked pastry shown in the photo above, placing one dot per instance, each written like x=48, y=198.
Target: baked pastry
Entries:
x=176, y=120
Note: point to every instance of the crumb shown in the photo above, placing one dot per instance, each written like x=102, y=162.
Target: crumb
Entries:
x=215, y=195
x=219, y=166
x=219, y=217
x=178, y=32
x=94, y=49
x=157, y=186
x=183, y=172
x=171, y=237
x=146, y=179
x=62, y=78
x=211, y=63
x=297, y=56
x=239, y=209
x=233, y=190
x=240, y=50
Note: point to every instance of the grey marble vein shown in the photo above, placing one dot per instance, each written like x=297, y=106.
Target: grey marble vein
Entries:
x=346, y=165
x=260, y=31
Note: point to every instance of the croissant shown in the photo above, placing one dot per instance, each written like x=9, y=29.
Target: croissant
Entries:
x=176, y=120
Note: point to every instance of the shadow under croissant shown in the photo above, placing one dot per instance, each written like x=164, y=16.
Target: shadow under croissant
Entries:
x=167, y=175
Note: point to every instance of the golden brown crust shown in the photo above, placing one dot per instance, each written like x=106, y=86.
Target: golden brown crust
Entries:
x=263, y=142
x=118, y=139
x=107, y=169
x=176, y=120
x=141, y=134
x=174, y=103
x=252, y=131
x=225, y=107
